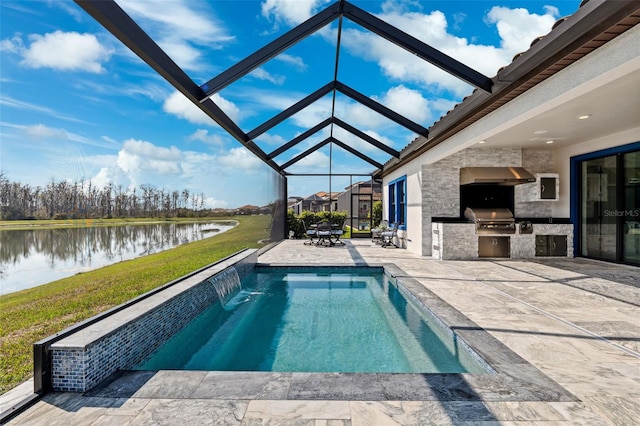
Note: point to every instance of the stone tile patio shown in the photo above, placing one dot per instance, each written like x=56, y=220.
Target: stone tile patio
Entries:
x=563, y=335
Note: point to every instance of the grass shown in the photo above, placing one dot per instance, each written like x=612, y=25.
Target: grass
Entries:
x=33, y=314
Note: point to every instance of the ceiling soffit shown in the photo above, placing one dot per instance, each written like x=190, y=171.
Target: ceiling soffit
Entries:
x=123, y=27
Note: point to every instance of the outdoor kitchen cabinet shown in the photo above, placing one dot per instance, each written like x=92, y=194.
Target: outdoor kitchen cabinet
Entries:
x=545, y=188
x=551, y=245
x=494, y=246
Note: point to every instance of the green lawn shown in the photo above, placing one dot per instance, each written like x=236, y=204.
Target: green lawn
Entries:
x=33, y=314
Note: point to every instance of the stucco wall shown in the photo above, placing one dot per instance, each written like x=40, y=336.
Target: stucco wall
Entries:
x=411, y=238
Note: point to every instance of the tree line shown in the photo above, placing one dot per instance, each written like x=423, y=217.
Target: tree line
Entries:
x=83, y=199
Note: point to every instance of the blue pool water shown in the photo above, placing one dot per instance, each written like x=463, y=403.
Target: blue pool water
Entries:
x=313, y=320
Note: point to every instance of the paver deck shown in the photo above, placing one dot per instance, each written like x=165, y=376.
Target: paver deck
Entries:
x=572, y=322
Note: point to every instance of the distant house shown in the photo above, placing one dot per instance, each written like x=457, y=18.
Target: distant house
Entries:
x=318, y=202
x=357, y=200
x=249, y=209
x=224, y=212
x=292, y=201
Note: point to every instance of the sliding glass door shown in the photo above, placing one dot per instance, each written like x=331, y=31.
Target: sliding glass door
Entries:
x=598, y=201
x=631, y=218
x=610, y=208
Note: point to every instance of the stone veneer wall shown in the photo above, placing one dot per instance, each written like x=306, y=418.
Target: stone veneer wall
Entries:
x=458, y=236
x=441, y=183
x=535, y=161
x=80, y=369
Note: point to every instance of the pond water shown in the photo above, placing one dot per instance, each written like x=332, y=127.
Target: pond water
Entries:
x=33, y=257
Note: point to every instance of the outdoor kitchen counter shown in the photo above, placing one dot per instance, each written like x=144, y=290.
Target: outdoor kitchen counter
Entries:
x=457, y=240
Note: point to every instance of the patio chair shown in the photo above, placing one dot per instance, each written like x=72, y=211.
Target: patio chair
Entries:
x=323, y=233
x=311, y=234
x=388, y=237
x=337, y=231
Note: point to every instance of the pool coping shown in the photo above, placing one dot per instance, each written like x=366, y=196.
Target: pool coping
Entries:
x=512, y=378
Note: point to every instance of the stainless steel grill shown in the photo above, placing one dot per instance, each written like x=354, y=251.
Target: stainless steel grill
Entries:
x=491, y=221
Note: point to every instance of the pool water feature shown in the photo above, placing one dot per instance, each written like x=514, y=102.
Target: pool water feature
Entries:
x=314, y=320
x=227, y=285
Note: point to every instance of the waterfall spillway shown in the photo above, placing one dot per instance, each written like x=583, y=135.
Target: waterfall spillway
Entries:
x=226, y=284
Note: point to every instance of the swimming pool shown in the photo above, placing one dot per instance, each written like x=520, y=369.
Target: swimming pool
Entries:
x=313, y=320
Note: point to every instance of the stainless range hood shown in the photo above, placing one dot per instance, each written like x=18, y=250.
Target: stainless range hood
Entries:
x=495, y=176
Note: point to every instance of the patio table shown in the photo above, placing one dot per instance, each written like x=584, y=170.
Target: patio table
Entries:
x=324, y=234
x=376, y=233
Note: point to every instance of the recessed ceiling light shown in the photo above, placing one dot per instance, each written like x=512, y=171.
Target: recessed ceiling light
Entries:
x=481, y=142
x=549, y=142
x=540, y=132
x=584, y=117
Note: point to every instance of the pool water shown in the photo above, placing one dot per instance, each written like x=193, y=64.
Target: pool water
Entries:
x=314, y=320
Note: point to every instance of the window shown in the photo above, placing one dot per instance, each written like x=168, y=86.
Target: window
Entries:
x=397, y=202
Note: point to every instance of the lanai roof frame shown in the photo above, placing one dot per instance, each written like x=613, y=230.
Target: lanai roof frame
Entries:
x=123, y=27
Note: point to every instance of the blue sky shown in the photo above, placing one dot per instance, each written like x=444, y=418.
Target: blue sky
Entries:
x=75, y=104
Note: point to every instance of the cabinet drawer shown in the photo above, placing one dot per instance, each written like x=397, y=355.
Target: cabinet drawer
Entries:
x=542, y=245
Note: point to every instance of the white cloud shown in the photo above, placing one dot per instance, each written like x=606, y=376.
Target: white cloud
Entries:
x=262, y=74
x=144, y=85
x=179, y=25
x=203, y=135
x=518, y=27
x=40, y=131
x=15, y=103
x=212, y=203
x=240, y=158
x=316, y=161
x=111, y=175
x=182, y=53
x=67, y=7
x=552, y=10
x=313, y=114
x=295, y=61
x=407, y=102
x=228, y=107
x=359, y=115
x=64, y=51
x=290, y=12
x=178, y=105
x=109, y=140
x=12, y=45
x=53, y=135
x=271, y=139
x=136, y=156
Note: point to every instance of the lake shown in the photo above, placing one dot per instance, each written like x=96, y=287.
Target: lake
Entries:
x=29, y=258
